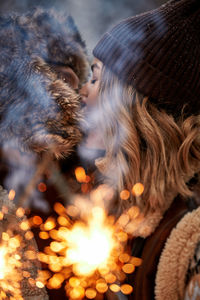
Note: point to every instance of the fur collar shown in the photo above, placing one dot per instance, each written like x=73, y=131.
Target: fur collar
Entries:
x=177, y=253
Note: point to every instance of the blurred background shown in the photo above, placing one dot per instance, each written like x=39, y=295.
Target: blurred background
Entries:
x=93, y=17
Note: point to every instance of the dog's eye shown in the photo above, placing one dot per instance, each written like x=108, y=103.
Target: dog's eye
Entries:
x=66, y=74
x=66, y=77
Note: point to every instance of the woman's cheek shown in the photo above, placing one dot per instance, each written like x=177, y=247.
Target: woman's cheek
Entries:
x=92, y=99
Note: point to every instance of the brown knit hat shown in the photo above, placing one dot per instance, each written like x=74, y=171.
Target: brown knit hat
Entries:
x=158, y=52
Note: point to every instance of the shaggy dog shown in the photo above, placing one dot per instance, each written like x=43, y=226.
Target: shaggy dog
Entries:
x=38, y=110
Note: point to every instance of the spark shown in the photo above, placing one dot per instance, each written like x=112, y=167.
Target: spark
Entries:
x=88, y=251
x=89, y=246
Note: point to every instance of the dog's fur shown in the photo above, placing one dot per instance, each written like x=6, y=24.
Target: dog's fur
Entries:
x=38, y=110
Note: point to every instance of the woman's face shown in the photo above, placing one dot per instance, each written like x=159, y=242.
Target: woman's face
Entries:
x=89, y=91
x=89, y=94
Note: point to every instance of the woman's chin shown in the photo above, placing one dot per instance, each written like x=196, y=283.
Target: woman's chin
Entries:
x=94, y=141
x=91, y=148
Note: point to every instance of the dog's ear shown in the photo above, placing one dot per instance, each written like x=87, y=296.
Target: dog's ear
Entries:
x=73, y=30
x=38, y=110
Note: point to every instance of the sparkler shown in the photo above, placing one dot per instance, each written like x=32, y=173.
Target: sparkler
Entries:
x=88, y=251
x=18, y=258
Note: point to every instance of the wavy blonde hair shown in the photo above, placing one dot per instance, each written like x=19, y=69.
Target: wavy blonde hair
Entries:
x=147, y=145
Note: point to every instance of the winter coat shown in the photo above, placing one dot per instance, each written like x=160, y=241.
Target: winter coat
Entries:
x=170, y=256
x=167, y=254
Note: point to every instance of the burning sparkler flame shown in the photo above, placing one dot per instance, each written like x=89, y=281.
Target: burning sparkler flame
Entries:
x=90, y=246
x=89, y=253
x=89, y=249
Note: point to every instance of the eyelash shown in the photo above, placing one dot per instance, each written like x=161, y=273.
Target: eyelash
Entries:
x=93, y=81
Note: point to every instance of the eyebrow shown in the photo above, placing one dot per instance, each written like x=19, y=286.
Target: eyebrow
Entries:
x=94, y=66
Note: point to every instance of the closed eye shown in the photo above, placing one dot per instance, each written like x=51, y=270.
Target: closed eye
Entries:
x=93, y=81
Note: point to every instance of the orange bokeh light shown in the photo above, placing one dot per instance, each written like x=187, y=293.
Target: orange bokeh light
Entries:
x=37, y=220
x=90, y=293
x=124, y=195
x=42, y=187
x=128, y=268
x=11, y=194
x=126, y=289
x=115, y=288
x=138, y=189
x=44, y=235
x=80, y=174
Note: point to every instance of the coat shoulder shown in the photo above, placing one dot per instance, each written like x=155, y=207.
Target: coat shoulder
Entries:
x=176, y=257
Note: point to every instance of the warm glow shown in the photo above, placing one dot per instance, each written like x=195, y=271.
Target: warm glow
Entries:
x=56, y=247
x=72, y=211
x=136, y=261
x=20, y=212
x=74, y=282
x=128, y=268
x=88, y=251
x=42, y=187
x=49, y=224
x=59, y=208
x=90, y=293
x=11, y=195
x=10, y=264
x=126, y=289
x=39, y=284
x=110, y=278
x=80, y=174
x=138, y=189
x=24, y=225
x=2, y=262
x=30, y=254
x=37, y=220
x=5, y=236
x=28, y=235
x=122, y=236
x=56, y=281
x=115, y=288
x=124, y=195
x=89, y=246
x=101, y=287
x=1, y=215
x=44, y=235
x=77, y=293
x=124, y=257
x=63, y=221
x=133, y=212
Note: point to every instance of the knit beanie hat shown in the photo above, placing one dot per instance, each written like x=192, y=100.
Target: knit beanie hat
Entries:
x=158, y=52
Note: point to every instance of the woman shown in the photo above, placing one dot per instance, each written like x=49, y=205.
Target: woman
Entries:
x=146, y=82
